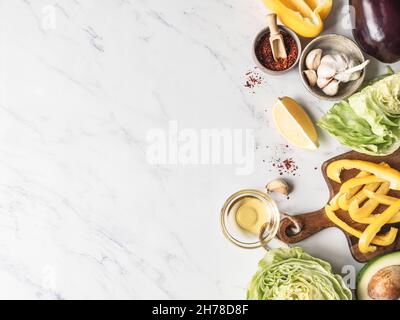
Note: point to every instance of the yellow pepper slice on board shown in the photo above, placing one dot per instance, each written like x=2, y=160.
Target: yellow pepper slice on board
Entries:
x=383, y=172
x=371, y=231
x=334, y=203
x=381, y=240
x=346, y=199
x=368, y=219
x=381, y=198
x=302, y=16
x=354, y=182
x=344, y=202
x=357, y=213
x=352, y=192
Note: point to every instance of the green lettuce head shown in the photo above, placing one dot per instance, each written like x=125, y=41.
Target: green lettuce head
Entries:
x=292, y=274
x=386, y=93
x=369, y=120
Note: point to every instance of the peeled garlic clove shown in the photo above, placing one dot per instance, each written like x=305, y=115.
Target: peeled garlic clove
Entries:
x=328, y=59
x=355, y=76
x=341, y=62
x=332, y=88
x=344, y=77
x=323, y=82
x=313, y=59
x=311, y=76
x=327, y=68
x=347, y=59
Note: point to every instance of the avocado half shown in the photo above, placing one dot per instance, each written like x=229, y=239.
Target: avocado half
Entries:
x=365, y=275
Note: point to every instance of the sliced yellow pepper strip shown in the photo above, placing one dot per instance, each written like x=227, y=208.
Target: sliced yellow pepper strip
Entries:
x=345, y=201
x=354, y=182
x=371, y=231
x=360, y=197
x=299, y=16
x=357, y=213
x=383, y=172
x=381, y=198
x=381, y=240
x=352, y=192
x=342, y=200
x=334, y=203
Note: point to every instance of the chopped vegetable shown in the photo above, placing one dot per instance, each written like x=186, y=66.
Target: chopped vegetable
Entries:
x=382, y=240
x=370, y=188
x=369, y=121
x=383, y=172
x=292, y=274
x=372, y=229
x=364, y=214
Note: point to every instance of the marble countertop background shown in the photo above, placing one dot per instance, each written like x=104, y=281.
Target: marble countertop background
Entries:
x=84, y=214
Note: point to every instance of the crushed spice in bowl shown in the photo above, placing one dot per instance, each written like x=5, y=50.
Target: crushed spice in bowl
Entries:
x=263, y=52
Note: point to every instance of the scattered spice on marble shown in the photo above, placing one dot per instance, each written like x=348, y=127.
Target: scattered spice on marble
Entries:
x=253, y=78
x=286, y=166
x=281, y=160
x=265, y=56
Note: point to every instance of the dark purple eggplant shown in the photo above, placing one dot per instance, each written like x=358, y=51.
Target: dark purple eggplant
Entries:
x=377, y=28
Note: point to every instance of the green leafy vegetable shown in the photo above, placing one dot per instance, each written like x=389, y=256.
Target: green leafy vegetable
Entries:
x=369, y=121
x=292, y=274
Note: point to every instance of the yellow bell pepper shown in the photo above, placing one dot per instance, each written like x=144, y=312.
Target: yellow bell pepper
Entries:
x=381, y=198
x=360, y=197
x=354, y=182
x=368, y=208
x=383, y=172
x=302, y=16
x=363, y=216
x=382, y=240
x=371, y=231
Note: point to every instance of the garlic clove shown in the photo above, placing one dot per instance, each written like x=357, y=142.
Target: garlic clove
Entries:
x=313, y=59
x=332, y=88
x=311, y=76
x=347, y=59
x=344, y=77
x=355, y=76
x=323, y=82
x=341, y=62
x=328, y=59
x=354, y=71
x=278, y=186
x=327, y=68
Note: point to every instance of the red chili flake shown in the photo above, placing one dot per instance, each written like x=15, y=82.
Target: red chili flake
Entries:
x=286, y=166
x=266, y=58
x=253, y=79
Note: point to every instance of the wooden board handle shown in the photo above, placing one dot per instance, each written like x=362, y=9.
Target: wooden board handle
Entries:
x=293, y=229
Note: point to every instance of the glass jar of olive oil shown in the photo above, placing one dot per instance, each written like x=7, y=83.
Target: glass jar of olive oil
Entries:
x=250, y=218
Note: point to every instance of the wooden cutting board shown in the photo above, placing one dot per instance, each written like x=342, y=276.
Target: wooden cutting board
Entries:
x=313, y=222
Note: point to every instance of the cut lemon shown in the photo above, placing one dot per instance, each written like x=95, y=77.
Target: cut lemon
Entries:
x=294, y=124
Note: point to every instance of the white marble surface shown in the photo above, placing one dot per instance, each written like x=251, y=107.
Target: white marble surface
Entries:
x=83, y=214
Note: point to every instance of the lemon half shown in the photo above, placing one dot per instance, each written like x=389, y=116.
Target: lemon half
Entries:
x=294, y=124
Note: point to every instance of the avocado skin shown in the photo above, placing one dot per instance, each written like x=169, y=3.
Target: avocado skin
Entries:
x=373, y=262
